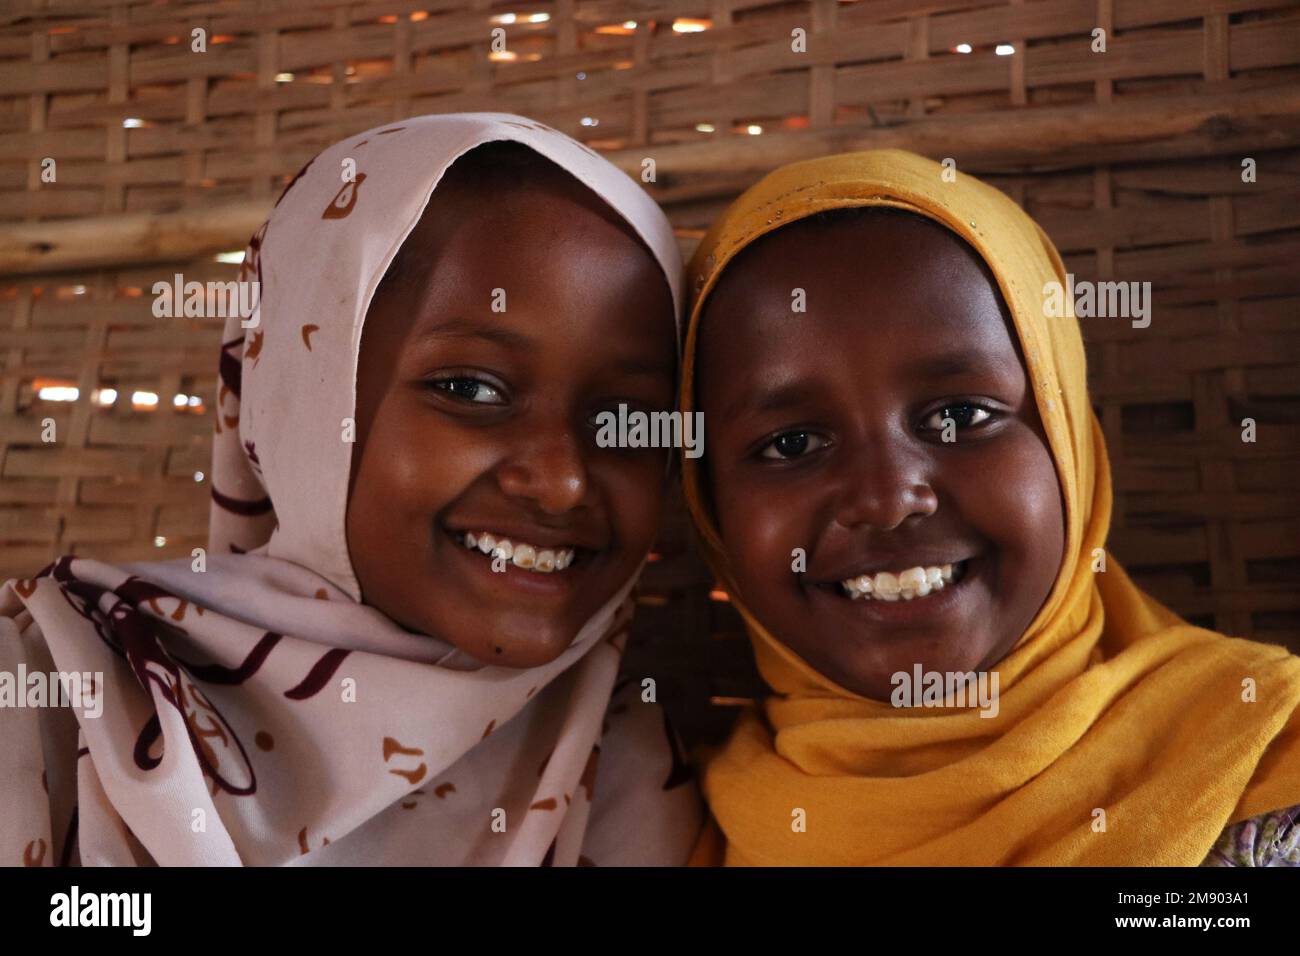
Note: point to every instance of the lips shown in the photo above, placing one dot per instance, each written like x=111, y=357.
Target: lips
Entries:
x=881, y=594
x=897, y=615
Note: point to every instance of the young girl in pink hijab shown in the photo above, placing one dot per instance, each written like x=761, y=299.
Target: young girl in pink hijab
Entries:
x=400, y=644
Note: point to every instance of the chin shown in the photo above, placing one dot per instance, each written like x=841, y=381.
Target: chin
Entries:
x=523, y=652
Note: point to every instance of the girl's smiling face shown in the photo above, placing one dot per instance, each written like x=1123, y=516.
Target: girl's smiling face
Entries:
x=827, y=434
x=473, y=421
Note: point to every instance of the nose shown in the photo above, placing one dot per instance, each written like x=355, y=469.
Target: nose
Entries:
x=881, y=485
x=547, y=468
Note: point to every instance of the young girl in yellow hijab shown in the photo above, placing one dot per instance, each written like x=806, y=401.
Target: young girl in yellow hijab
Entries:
x=907, y=495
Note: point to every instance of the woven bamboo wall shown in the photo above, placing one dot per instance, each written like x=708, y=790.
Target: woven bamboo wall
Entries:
x=1130, y=159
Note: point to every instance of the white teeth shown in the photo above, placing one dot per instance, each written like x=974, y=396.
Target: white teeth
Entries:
x=905, y=585
x=911, y=579
x=526, y=556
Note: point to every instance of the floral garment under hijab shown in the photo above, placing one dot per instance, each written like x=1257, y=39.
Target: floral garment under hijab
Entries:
x=1272, y=839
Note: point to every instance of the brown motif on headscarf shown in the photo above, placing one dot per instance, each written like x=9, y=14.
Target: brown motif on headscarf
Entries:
x=139, y=591
x=230, y=376
x=213, y=738
x=296, y=177
x=229, y=676
x=307, y=330
x=412, y=776
x=547, y=804
x=393, y=747
x=303, y=848
x=319, y=675
x=235, y=506
x=137, y=637
x=25, y=587
x=254, y=350
x=251, y=267
x=34, y=859
x=344, y=200
x=229, y=369
x=443, y=789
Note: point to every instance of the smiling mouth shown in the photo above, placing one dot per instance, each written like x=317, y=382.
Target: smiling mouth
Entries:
x=520, y=554
x=906, y=585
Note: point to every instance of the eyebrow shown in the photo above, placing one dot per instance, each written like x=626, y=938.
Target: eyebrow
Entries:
x=949, y=364
x=930, y=367
x=517, y=341
x=463, y=329
x=772, y=399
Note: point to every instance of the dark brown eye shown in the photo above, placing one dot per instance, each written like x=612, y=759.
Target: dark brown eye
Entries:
x=469, y=390
x=791, y=445
x=963, y=415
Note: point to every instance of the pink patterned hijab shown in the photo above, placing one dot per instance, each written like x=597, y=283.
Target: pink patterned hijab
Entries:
x=250, y=709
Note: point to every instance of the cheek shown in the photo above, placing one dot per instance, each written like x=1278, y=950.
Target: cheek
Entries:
x=1019, y=501
x=759, y=529
x=398, y=467
x=409, y=468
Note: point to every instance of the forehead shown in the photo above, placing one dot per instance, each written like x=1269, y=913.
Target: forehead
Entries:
x=542, y=254
x=904, y=280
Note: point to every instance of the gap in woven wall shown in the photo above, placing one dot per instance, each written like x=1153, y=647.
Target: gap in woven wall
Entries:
x=1173, y=578
x=1159, y=417
x=1265, y=409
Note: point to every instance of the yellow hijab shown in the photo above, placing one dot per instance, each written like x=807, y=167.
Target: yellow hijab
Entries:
x=1125, y=735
